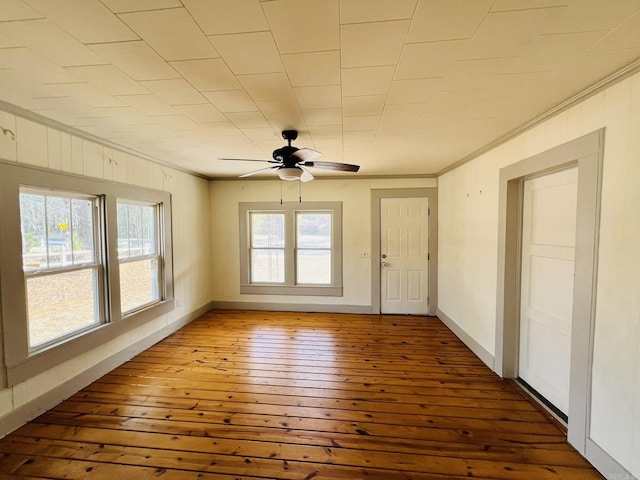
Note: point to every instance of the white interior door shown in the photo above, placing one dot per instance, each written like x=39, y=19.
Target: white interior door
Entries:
x=548, y=258
x=404, y=247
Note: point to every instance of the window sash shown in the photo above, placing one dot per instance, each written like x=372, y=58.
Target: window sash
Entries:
x=330, y=282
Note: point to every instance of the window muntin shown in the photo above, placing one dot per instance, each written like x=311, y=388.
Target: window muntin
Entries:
x=305, y=248
x=61, y=263
x=267, y=246
x=313, y=248
x=138, y=255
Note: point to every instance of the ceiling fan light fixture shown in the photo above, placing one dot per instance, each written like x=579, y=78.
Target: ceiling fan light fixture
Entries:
x=289, y=173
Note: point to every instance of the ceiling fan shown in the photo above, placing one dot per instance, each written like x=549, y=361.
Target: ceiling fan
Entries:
x=291, y=163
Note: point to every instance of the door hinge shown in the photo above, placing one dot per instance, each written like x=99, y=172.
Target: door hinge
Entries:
x=429, y=211
x=428, y=256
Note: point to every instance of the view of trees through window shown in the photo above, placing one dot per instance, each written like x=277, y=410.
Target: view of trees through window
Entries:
x=138, y=255
x=61, y=263
x=313, y=242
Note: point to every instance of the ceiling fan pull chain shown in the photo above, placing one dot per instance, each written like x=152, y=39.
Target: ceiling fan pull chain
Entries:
x=280, y=192
x=299, y=192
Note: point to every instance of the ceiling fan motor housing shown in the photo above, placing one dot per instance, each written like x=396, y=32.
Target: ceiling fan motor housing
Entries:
x=283, y=154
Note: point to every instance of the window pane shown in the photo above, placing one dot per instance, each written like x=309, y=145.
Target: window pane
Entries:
x=267, y=266
x=61, y=304
x=138, y=284
x=313, y=230
x=136, y=230
x=267, y=230
x=82, y=232
x=313, y=266
x=59, y=234
x=32, y=219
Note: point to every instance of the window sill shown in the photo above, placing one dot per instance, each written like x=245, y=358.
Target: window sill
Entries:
x=302, y=290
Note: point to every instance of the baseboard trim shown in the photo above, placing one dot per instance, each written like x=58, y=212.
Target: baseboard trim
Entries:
x=30, y=410
x=605, y=463
x=292, y=307
x=473, y=345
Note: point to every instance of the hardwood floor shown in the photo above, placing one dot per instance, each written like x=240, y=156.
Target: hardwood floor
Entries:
x=270, y=395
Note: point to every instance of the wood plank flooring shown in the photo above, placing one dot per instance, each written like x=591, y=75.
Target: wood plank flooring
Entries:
x=270, y=395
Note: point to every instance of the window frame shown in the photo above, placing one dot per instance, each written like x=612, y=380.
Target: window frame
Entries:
x=156, y=255
x=21, y=362
x=97, y=265
x=290, y=287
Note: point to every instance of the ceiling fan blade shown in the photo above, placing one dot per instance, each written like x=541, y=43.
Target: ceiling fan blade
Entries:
x=342, y=167
x=255, y=172
x=305, y=154
x=247, y=160
x=306, y=175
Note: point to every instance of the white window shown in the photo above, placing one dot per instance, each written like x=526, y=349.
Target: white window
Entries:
x=138, y=255
x=62, y=262
x=89, y=260
x=291, y=249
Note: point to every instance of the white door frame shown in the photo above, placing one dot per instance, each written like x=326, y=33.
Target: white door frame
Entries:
x=587, y=153
x=376, y=196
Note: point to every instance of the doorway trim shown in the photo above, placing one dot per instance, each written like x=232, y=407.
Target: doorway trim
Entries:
x=587, y=153
x=432, y=195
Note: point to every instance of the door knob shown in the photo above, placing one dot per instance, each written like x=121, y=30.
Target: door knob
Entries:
x=385, y=264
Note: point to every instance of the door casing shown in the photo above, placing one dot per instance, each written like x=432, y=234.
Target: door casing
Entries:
x=587, y=153
x=376, y=196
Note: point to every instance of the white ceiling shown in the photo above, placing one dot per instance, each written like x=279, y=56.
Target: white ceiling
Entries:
x=400, y=87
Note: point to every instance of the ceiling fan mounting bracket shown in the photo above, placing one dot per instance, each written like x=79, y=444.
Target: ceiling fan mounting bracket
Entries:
x=289, y=135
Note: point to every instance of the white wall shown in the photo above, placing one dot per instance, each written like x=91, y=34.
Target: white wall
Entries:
x=46, y=147
x=468, y=243
x=355, y=195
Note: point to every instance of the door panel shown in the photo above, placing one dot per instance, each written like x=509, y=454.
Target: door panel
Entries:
x=548, y=259
x=404, y=262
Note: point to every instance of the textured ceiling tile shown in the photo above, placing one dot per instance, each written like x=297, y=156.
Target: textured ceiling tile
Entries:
x=363, y=105
x=589, y=15
x=207, y=75
x=137, y=60
x=304, y=25
x=410, y=91
x=86, y=93
x=87, y=20
x=109, y=78
x=317, y=68
x=506, y=5
x=232, y=101
x=268, y=86
x=319, y=97
x=248, y=119
x=372, y=44
x=503, y=33
x=363, y=122
x=366, y=81
x=323, y=116
x=227, y=16
x=174, y=92
x=625, y=36
x=429, y=60
x=125, y=6
x=360, y=11
x=148, y=104
x=51, y=41
x=172, y=33
x=436, y=20
x=550, y=52
x=34, y=67
x=13, y=10
x=202, y=113
x=279, y=110
x=249, y=53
